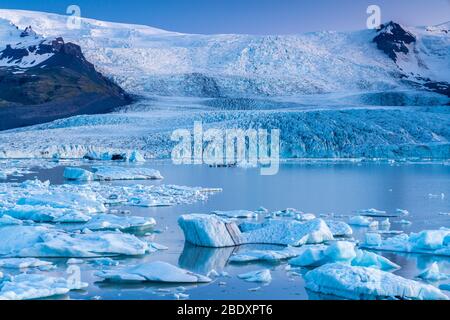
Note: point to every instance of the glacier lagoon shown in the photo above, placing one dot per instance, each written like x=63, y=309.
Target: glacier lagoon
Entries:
x=329, y=189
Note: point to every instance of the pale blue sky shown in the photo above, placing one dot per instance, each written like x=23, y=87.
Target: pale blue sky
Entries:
x=247, y=16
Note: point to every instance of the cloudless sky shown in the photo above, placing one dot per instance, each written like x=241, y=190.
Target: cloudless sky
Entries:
x=247, y=16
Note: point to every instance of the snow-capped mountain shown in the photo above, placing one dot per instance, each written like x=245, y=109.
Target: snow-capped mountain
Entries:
x=148, y=60
x=332, y=94
x=43, y=79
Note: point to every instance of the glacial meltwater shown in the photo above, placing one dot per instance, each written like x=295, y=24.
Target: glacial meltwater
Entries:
x=330, y=190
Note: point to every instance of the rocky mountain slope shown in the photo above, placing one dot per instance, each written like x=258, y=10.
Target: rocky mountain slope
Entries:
x=43, y=79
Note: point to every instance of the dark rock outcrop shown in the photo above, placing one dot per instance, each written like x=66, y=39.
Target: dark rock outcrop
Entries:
x=62, y=84
x=393, y=39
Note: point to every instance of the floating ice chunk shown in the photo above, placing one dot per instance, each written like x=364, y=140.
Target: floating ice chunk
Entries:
x=376, y=213
x=213, y=231
x=359, y=283
x=78, y=174
x=3, y=175
x=23, y=263
x=369, y=259
x=433, y=273
x=40, y=213
x=257, y=276
x=339, y=228
x=265, y=255
x=310, y=256
x=341, y=251
x=75, y=261
x=436, y=196
x=40, y=241
x=363, y=222
x=153, y=272
x=427, y=242
x=6, y=220
x=136, y=156
x=245, y=214
x=404, y=222
x=35, y=286
x=402, y=212
x=122, y=223
x=180, y=296
x=110, y=173
x=386, y=223
x=104, y=262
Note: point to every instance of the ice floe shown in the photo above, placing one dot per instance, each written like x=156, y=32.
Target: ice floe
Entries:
x=435, y=242
x=122, y=223
x=35, y=286
x=110, y=173
x=354, y=282
x=213, y=231
x=433, y=273
x=362, y=221
x=341, y=251
x=257, y=276
x=23, y=263
x=339, y=228
x=42, y=241
x=41, y=202
x=265, y=255
x=243, y=214
x=378, y=213
x=152, y=272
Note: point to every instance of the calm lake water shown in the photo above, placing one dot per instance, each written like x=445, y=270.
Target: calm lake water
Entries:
x=315, y=187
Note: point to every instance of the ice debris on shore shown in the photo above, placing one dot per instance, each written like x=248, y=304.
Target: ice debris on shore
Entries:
x=35, y=286
x=361, y=283
x=43, y=241
x=341, y=251
x=213, y=231
x=434, y=242
x=257, y=276
x=110, y=173
x=152, y=272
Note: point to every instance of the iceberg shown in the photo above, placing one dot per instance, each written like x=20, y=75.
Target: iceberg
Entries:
x=122, y=223
x=40, y=213
x=213, y=231
x=36, y=286
x=341, y=251
x=433, y=273
x=77, y=174
x=339, y=228
x=434, y=242
x=362, y=283
x=43, y=241
x=110, y=173
x=152, y=272
x=244, y=214
x=379, y=213
x=362, y=221
x=6, y=220
x=265, y=255
x=257, y=276
x=23, y=263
